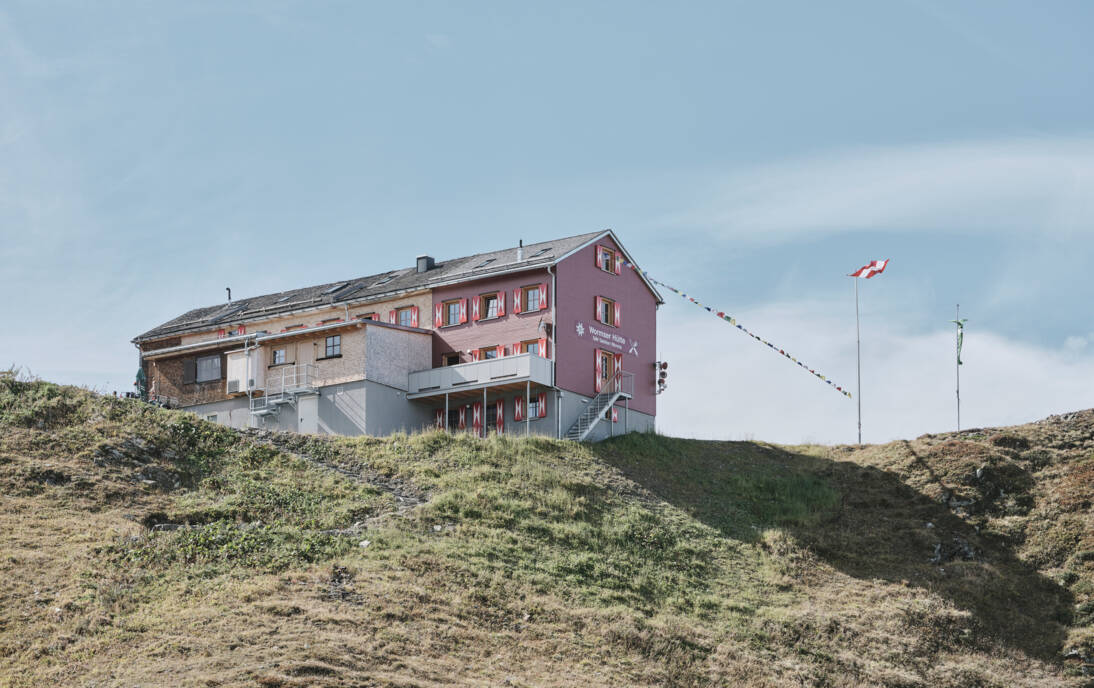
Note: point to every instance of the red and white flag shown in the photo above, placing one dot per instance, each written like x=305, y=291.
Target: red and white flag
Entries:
x=870, y=269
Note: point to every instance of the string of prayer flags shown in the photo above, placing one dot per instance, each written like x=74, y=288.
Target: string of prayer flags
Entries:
x=733, y=321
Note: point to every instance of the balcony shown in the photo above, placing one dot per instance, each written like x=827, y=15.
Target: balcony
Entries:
x=283, y=386
x=508, y=371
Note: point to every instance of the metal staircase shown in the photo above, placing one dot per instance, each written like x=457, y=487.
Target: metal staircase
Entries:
x=283, y=387
x=612, y=391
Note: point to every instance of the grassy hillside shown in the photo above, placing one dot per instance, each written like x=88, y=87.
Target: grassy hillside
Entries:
x=143, y=546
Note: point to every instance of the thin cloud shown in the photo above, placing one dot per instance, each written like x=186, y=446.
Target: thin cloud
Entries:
x=724, y=385
x=992, y=186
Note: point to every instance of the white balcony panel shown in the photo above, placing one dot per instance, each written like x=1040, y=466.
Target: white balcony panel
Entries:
x=494, y=371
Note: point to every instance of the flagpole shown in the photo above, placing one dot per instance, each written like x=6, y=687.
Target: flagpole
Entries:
x=858, y=364
x=957, y=344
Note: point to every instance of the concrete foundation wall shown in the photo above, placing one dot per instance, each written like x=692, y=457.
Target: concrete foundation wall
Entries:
x=368, y=407
x=630, y=420
x=234, y=413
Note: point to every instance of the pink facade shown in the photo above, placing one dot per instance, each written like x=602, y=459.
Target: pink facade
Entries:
x=580, y=333
x=504, y=330
x=584, y=288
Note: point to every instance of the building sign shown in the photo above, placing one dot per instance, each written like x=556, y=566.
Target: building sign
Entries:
x=612, y=340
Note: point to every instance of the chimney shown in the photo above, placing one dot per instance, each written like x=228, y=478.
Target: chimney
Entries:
x=425, y=263
x=520, y=251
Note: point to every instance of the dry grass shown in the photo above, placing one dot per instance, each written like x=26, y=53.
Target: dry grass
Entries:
x=642, y=561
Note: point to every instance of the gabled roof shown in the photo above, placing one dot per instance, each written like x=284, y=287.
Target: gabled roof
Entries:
x=377, y=287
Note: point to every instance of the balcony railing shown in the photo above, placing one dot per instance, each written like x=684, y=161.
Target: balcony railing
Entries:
x=486, y=373
x=292, y=379
x=283, y=385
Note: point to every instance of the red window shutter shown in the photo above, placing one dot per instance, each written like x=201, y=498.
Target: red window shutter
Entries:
x=475, y=309
x=599, y=309
x=374, y=316
x=617, y=314
x=543, y=347
x=599, y=256
x=242, y=329
x=518, y=408
x=438, y=418
x=500, y=411
x=516, y=349
x=599, y=370
x=220, y=334
x=476, y=415
x=618, y=263
x=438, y=315
x=501, y=303
x=543, y=404
x=414, y=316
x=391, y=317
x=543, y=296
x=463, y=310
x=463, y=418
x=475, y=355
x=516, y=300
x=615, y=415
x=501, y=351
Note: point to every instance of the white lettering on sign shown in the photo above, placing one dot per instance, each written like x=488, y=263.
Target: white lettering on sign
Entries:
x=612, y=339
x=616, y=341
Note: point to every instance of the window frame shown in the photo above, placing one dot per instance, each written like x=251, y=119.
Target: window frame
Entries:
x=197, y=369
x=409, y=311
x=606, y=316
x=332, y=349
x=451, y=312
x=273, y=357
x=532, y=402
x=446, y=358
x=526, y=347
x=609, y=264
x=488, y=353
x=525, y=292
x=484, y=310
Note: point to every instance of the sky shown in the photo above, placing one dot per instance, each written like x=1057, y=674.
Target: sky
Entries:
x=750, y=154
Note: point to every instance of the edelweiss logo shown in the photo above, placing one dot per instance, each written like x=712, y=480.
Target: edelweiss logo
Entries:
x=580, y=330
x=634, y=347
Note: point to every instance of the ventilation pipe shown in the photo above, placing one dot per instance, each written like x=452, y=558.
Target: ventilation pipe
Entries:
x=520, y=251
x=229, y=290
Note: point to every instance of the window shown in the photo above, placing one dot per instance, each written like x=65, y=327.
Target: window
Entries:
x=491, y=415
x=531, y=299
x=385, y=280
x=208, y=368
x=335, y=288
x=454, y=419
x=540, y=252
x=607, y=362
x=484, y=263
x=490, y=306
x=450, y=359
x=405, y=317
x=605, y=311
x=212, y=418
x=530, y=347
x=368, y=316
x=451, y=312
x=606, y=260
x=334, y=346
x=533, y=406
x=488, y=352
x=278, y=357
x=283, y=299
